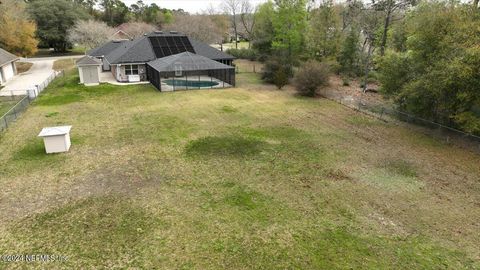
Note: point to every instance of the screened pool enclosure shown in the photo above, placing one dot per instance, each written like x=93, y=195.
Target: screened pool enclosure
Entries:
x=185, y=71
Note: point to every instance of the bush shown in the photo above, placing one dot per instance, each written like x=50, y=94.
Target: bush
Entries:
x=277, y=72
x=310, y=77
x=243, y=53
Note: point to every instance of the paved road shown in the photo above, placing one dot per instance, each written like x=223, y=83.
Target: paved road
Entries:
x=42, y=68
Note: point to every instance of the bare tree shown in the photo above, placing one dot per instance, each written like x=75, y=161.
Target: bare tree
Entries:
x=90, y=33
x=247, y=18
x=200, y=27
x=137, y=29
x=232, y=7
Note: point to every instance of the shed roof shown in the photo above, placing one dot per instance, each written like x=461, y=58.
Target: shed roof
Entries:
x=54, y=131
x=187, y=61
x=88, y=61
x=6, y=57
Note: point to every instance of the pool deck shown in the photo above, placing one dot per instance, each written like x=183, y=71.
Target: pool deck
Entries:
x=166, y=87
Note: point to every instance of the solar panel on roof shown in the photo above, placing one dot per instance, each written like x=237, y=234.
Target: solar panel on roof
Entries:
x=168, y=45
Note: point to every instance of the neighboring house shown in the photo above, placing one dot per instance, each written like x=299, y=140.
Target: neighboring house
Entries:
x=8, y=68
x=120, y=35
x=128, y=60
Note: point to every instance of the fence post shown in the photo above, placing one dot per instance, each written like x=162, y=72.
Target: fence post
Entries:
x=6, y=123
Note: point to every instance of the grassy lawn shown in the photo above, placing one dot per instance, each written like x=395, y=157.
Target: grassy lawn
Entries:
x=64, y=64
x=50, y=52
x=244, y=178
x=6, y=103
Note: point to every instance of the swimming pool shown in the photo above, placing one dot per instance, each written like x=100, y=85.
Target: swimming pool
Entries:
x=192, y=84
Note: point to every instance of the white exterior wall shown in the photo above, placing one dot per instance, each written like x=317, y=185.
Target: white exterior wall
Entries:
x=80, y=72
x=8, y=71
x=57, y=144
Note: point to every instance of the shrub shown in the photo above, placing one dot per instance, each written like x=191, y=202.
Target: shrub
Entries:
x=280, y=78
x=310, y=77
x=243, y=53
x=277, y=72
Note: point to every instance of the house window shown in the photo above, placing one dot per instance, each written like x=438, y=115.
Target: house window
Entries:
x=131, y=70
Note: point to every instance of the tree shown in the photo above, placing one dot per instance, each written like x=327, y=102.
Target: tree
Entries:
x=369, y=22
x=277, y=71
x=90, y=33
x=138, y=29
x=200, y=27
x=324, y=31
x=289, y=24
x=18, y=31
x=310, y=76
x=349, y=53
x=89, y=5
x=262, y=35
x=389, y=7
x=437, y=77
x=115, y=12
x=247, y=17
x=54, y=18
x=232, y=7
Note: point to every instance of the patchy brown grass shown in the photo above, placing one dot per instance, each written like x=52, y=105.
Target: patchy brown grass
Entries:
x=242, y=178
x=64, y=64
x=23, y=66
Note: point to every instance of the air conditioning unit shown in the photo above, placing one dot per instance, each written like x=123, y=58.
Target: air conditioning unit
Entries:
x=133, y=78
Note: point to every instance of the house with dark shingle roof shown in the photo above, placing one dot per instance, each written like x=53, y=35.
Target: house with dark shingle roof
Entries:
x=128, y=60
x=8, y=68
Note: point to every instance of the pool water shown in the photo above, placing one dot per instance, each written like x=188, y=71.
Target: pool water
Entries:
x=193, y=84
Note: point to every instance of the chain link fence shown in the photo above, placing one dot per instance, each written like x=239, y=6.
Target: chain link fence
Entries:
x=26, y=97
x=386, y=113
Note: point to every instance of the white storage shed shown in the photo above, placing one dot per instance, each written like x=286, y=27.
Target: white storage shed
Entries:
x=89, y=69
x=56, y=139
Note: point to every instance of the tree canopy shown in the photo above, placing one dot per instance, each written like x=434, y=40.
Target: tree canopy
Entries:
x=54, y=18
x=17, y=34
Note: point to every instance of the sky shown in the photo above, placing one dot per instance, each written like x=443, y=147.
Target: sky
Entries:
x=192, y=6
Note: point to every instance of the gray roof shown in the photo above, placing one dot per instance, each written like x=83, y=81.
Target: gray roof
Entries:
x=208, y=51
x=187, y=61
x=6, y=57
x=140, y=50
x=88, y=61
x=132, y=51
x=106, y=48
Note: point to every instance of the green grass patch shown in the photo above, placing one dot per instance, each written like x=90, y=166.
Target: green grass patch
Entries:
x=66, y=89
x=228, y=109
x=92, y=232
x=361, y=120
x=401, y=167
x=225, y=146
x=7, y=103
x=51, y=114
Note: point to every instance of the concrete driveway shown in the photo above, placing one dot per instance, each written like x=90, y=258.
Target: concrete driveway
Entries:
x=42, y=68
